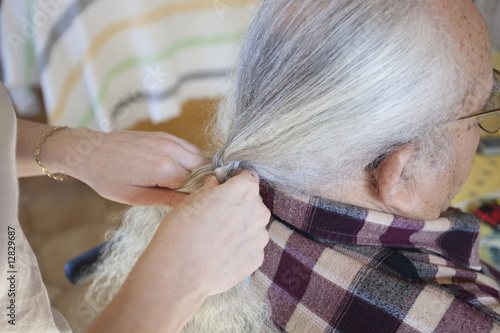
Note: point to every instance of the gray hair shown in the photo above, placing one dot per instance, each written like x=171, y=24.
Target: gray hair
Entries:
x=323, y=88
x=241, y=309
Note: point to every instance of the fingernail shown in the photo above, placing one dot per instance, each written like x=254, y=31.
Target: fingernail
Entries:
x=253, y=174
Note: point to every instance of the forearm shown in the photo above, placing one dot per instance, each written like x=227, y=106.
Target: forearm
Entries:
x=59, y=152
x=152, y=299
x=28, y=135
x=138, y=168
x=172, y=277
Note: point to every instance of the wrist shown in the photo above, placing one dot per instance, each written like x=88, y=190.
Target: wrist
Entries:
x=157, y=299
x=57, y=176
x=68, y=149
x=181, y=273
x=144, y=307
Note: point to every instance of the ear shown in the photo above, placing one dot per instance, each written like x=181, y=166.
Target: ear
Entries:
x=394, y=190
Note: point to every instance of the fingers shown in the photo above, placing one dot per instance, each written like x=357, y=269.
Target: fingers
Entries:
x=172, y=198
x=246, y=182
x=189, y=160
x=185, y=154
x=167, y=137
x=170, y=175
x=185, y=144
x=146, y=196
x=250, y=173
x=227, y=222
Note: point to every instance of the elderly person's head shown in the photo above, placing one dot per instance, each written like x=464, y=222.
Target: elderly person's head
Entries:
x=355, y=101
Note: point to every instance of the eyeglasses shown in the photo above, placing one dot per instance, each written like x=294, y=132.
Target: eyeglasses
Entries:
x=489, y=118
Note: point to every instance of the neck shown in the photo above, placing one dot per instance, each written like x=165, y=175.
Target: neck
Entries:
x=365, y=193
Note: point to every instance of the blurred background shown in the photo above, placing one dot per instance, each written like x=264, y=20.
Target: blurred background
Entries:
x=154, y=65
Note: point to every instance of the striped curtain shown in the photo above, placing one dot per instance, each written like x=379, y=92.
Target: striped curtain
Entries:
x=107, y=64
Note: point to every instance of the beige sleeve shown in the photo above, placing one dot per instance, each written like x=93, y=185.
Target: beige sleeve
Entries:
x=24, y=302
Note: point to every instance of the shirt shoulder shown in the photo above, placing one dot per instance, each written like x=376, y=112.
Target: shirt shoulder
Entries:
x=317, y=287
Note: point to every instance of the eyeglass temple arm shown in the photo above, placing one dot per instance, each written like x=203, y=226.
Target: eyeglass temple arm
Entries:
x=480, y=114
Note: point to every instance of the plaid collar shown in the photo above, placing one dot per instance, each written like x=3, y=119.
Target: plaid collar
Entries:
x=332, y=267
x=454, y=237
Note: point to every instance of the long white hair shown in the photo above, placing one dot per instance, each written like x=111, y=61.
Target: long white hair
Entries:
x=323, y=88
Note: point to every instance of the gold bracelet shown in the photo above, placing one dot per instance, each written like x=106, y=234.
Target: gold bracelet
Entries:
x=58, y=176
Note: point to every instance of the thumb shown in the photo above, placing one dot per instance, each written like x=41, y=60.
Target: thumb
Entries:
x=157, y=197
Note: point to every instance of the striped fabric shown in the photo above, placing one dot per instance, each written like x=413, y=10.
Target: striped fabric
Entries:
x=333, y=267
x=106, y=64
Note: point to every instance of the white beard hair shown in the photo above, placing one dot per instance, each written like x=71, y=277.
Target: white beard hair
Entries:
x=241, y=309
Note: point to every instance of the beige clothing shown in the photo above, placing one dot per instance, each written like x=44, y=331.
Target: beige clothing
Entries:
x=21, y=286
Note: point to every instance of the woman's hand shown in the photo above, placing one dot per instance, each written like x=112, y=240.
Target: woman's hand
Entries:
x=136, y=168
x=206, y=245
x=220, y=230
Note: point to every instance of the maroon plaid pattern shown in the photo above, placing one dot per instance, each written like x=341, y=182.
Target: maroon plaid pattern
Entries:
x=333, y=267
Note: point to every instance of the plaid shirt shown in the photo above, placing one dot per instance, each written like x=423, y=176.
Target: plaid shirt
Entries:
x=333, y=267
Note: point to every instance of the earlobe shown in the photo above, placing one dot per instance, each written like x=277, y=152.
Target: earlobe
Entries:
x=394, y=190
